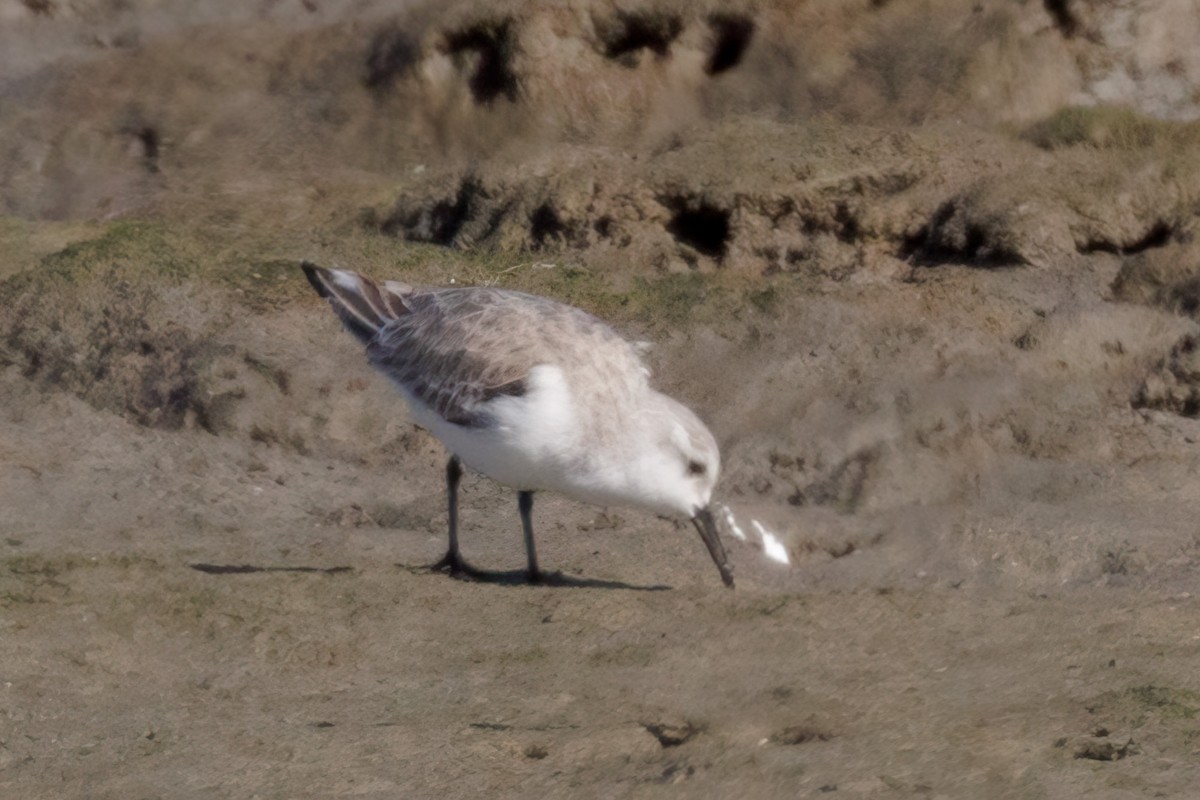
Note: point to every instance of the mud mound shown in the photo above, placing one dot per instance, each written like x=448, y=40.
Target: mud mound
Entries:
x=135, y=324
x=1167, y=276
x=97, y=322
x=152, y=104
x=1138, y=720
x=685, y=205
x=828, y=205
x=124, y=323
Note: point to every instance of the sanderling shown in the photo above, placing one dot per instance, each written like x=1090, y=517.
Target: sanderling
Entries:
x=535, y=394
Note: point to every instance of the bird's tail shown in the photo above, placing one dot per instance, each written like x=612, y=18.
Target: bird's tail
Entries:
x=363, y=305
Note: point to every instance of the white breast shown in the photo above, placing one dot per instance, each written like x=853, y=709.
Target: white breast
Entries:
x=535, y=437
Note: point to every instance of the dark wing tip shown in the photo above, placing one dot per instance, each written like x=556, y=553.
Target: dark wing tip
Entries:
x=517, y=388
x=316, y=276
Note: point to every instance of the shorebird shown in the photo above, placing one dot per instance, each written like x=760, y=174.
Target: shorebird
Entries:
x=536, y=395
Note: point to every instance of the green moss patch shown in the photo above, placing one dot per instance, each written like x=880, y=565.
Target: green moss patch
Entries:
x=1109, y=128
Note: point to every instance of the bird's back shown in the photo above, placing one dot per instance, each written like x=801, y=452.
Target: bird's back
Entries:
x=457, y=349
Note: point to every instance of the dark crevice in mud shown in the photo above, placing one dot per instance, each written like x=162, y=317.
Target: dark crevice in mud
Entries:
x=1158, y=235
x=801, y=734
x=1185, y=297
x=625, y=36
x=492, y=45
x=545, y=226
x=1064, y=17
x=848, y=229
x=915, y=247
x=975, y=252
x=392, y=53
x=673, y=735
x=495, y=220
x=732, y=34
x=439, y=223
x=1174, y=384
x=699, y=225
x=40, y=8
x=949, y=240
x=146, y=142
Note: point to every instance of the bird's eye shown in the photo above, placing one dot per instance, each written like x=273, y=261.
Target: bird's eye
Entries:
x=696, y=468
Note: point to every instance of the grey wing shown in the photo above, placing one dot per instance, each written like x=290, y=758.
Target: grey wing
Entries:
x=456, y=349
x=451, y=353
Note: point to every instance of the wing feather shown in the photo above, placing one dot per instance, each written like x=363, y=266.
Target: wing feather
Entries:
x=456, y=350
x=450, y=352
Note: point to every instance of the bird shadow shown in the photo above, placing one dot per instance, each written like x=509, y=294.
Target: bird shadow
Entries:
x=518, y=577
x=515, y=577
x=247, y=569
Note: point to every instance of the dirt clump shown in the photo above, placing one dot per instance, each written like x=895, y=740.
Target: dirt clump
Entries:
x=1174, y=384
x=1167, y=276
x=89, y=323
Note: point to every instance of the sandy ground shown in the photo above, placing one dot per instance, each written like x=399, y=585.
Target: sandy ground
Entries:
x=944, y=331
x=127, y=671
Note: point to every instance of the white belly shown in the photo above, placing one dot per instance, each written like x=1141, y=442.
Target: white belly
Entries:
x=535, y=443
x=548, y=440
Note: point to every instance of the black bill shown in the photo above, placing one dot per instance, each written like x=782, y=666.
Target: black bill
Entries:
x=707, y=529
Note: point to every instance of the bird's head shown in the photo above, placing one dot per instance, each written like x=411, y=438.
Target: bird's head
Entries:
x=684, y=466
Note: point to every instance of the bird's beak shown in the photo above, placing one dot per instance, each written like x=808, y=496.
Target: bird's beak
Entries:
x=708, y=532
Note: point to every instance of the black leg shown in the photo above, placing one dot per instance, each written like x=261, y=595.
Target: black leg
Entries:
x=453, y=562
x=453, y=476
x=525, y=504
